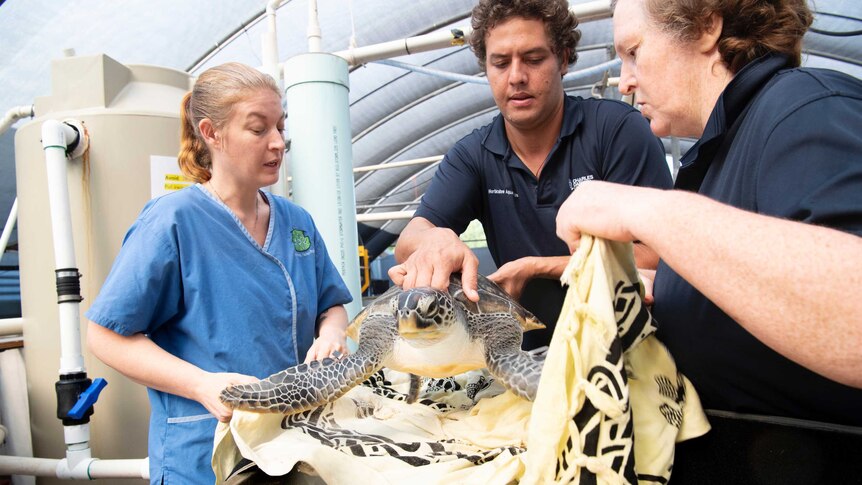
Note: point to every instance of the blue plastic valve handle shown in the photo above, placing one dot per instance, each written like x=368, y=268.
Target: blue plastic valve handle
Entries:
x=87, y=398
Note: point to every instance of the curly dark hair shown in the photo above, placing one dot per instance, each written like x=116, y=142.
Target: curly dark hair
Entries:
x=751, y=28
x=560, y=24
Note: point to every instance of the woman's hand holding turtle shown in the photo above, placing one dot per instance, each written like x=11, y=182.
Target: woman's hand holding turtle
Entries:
x=210, y=385
x=331, y=342
x=331, y=338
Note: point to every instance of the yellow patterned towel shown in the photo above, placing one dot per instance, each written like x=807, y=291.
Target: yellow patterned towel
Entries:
x=609, y=409
x=613, y=403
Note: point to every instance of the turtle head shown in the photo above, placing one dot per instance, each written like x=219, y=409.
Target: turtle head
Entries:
x=424, y=314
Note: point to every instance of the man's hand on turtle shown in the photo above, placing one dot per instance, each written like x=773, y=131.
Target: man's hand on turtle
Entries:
x=440, y=254
x=513, y=276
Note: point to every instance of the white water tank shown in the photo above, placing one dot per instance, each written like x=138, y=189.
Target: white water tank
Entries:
x=132, y=116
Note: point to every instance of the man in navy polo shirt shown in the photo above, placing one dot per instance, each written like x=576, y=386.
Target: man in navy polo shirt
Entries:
x=514, y=173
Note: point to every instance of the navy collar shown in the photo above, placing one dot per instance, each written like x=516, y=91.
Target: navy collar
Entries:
x=736, y=96
x=496, y=141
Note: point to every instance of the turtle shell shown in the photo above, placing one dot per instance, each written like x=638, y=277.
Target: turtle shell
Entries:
x=492, y=299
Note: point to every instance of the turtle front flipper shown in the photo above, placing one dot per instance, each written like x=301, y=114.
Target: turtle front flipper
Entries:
x=519, y=371
x=302, y=387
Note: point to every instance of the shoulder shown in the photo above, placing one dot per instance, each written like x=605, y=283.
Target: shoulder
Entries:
x=607, y=118
x=817, y=82
x=472, y=145
x=791, y=89
x=594, y=108
x=171, y=206
x=607, y=113
x=290, y=210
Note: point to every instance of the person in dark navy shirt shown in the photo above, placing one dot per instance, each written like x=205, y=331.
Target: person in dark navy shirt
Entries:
x=513, y=174
x=756, y=295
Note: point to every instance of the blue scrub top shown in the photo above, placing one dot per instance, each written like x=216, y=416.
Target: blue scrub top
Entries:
x=193, y=279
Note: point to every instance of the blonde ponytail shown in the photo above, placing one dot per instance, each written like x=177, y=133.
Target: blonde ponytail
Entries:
x=194, y=157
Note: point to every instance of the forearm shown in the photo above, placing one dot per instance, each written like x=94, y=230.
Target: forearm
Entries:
x=140, y=359
x=549, y=267
x=333, y=319
x=645, y=257
x=789, y=284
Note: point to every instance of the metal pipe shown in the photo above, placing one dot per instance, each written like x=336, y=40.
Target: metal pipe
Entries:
x=597, y=10
x=574, y=76
x=452, y=76
x=86, y=470
x=410, y=45
x=405, y=163
x=386, y=205
x=585, y=12
x=384, y=216
x=11, y=326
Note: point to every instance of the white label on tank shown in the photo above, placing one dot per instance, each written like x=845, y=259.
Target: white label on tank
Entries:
x=165, y=176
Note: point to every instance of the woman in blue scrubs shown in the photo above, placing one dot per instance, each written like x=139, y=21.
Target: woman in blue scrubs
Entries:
x=219, y=283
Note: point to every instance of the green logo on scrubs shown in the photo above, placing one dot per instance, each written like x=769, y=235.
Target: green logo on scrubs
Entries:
x=300, y=240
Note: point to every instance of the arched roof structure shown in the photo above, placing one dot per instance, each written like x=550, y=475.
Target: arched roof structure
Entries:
x=396, y=114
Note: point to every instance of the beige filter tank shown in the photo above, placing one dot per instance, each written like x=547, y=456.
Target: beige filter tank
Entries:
x=131, y=114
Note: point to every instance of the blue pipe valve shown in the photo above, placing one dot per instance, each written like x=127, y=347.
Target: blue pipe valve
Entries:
x=87, y=398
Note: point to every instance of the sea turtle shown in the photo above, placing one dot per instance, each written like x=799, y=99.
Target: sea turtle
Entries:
x=422, y=331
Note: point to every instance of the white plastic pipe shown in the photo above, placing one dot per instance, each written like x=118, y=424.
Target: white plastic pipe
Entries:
x=15, y=408
x=11, y=326
x=56, y=136
x=11, y=116
x=269, y=43
x=14, y=115
x=314, y=38
x=7, y=229
x=86, y=470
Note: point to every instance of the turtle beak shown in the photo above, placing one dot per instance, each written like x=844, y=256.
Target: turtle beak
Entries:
x=412, y=327
x=413, y=317
x=408, y=323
